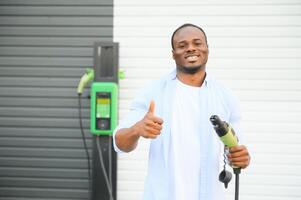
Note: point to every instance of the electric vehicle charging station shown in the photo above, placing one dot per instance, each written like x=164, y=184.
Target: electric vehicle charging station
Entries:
x=103, y=118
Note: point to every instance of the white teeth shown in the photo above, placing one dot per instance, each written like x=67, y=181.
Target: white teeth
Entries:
x=192, y=58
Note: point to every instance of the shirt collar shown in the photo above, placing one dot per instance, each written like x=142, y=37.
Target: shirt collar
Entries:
x=173, y=76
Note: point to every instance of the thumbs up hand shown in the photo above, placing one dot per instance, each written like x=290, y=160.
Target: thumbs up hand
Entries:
x=150, y=126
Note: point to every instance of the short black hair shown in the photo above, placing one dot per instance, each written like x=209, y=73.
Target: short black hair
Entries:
x=183, y=26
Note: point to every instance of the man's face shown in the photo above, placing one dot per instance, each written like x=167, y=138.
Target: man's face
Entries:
x=190, y=50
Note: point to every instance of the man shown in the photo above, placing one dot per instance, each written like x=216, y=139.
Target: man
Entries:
x=185, y=155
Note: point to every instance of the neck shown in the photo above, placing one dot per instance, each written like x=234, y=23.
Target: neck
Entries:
x=195, y=80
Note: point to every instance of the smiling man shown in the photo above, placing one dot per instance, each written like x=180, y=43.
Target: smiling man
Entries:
x=185, y=155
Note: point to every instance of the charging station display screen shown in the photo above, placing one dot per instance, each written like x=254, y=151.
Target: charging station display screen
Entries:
x=103, y=111
x=103, y=108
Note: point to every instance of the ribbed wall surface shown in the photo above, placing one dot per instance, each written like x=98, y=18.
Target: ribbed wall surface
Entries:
x=45, y=47
x=255, y=49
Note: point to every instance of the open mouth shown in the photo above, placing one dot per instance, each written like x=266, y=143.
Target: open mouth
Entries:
x=191, y=58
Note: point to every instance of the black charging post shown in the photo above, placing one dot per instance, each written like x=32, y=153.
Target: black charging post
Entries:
x=104, y=157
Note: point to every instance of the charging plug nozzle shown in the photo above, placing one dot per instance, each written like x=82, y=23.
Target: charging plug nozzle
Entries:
x=85, y=79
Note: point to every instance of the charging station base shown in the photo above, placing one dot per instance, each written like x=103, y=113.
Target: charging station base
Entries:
x=99, y=187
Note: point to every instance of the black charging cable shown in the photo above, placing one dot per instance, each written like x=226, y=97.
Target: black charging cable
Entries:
x=85, y=143
x=236, y=172
x=107, y=179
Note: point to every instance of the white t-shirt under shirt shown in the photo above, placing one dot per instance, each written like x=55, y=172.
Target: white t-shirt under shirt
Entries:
x=185, y=148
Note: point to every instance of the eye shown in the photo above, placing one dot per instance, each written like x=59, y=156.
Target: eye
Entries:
x=181, y=45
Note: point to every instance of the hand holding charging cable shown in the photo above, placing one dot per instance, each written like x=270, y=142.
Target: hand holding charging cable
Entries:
x=238, y=155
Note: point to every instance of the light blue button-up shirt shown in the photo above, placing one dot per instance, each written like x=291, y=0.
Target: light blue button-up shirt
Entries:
x=214, y=100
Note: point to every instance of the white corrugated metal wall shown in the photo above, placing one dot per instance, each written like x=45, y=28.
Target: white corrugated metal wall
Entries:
x=255, y=50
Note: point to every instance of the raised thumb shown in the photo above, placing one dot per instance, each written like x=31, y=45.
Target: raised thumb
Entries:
x=151, y=108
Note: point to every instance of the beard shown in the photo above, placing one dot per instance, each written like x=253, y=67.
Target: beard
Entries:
x=189, y=70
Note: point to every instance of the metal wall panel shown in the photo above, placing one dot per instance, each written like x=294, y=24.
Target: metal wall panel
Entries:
x=45, y=47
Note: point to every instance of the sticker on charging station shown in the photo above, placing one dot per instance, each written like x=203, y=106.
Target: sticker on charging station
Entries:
x=103, y=108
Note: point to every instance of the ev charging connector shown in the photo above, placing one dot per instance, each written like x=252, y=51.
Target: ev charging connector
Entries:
x=85, y=79
x=228, y=137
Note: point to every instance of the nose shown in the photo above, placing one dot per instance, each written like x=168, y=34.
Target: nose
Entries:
x=190, y=47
